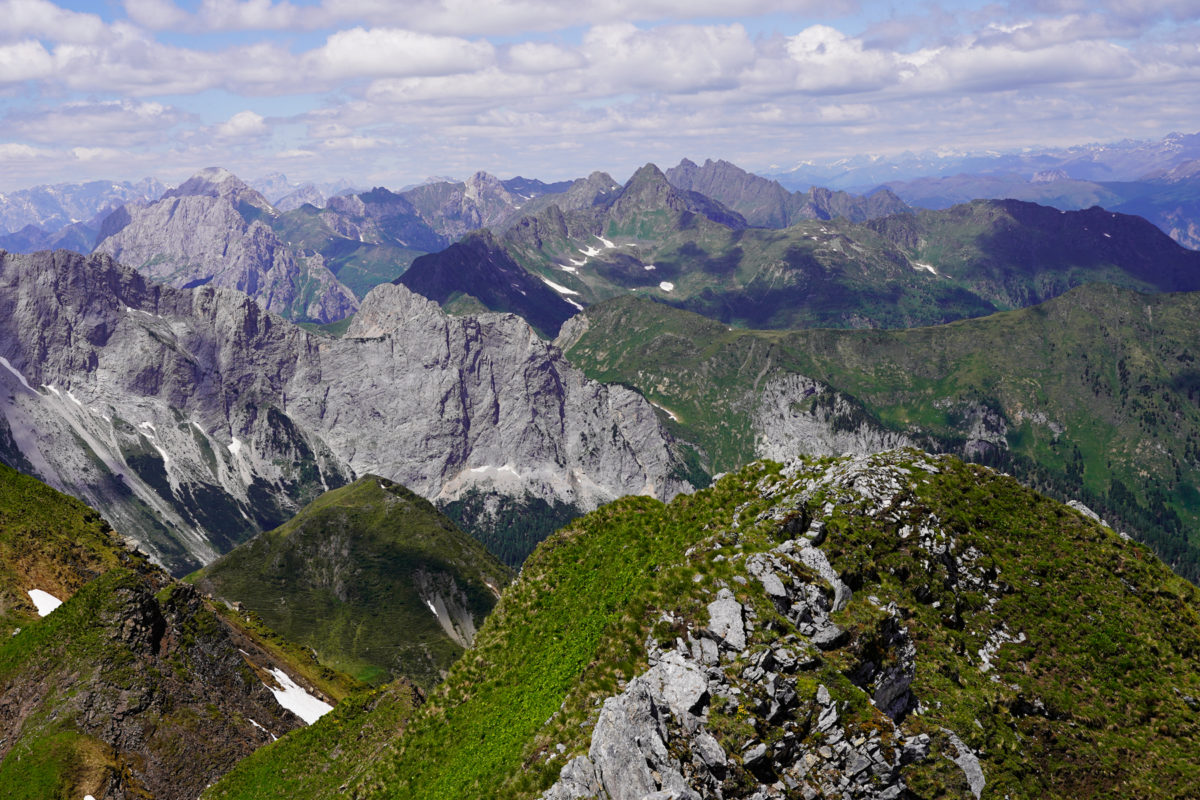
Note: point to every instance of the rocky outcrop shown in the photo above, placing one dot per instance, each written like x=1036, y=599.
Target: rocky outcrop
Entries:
x=661, y=736
x=159, y=696
x=212, y=230
x=799, y=416
x=194, y=418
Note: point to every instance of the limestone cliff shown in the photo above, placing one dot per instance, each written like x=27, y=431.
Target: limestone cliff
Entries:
x=212, y=230
x=193, y=418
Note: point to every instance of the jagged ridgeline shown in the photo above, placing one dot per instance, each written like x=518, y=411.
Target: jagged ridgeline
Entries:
x=125, y=683
x=1093, y=396
x=372, y=577
x=885, y=626
x=192, y=419
x=873, y=264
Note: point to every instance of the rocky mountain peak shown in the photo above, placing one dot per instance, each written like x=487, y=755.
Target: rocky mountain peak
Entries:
x=221, y=183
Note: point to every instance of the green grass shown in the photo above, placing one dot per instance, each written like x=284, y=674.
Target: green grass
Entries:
x=49, y=541
x=1110, y=642
x=341, y=577
x=1114, y=371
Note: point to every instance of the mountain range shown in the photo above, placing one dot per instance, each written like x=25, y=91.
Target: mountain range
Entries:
x=898, y=270
x=692, y=486
x=193, y=419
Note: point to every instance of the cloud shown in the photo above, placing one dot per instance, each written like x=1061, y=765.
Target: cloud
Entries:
x=85, y=122
x=12, y=151
x=461, y=17
x=24, y=61
x=683, y=58
x=156, y=14
x=541, y=57
x=43, y=20
x=243, y=125
x=359, y=52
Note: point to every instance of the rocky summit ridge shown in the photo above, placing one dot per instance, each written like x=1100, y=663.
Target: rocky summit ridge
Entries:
x=896, y=625
x=192, y=418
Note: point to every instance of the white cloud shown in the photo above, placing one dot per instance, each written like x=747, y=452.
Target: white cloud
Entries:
x=96, y=153
x=156, y=14
x=242, y=125
x=388, y=51
x=24, y=61
x=540, y=57
x=44, y=20
x=12, y=151
x=134, y=123
x=674, y=58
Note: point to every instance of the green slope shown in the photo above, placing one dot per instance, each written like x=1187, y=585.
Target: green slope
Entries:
x=51, y=542
x=135, y=685
x=352, y=576
x=1094, y=699
x=1099, y=390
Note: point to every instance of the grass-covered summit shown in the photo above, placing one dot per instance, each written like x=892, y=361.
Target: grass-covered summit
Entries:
x=372, y=577
x=865, y=627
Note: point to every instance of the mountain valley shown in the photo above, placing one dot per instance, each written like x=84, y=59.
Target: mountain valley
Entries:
x=700, y=485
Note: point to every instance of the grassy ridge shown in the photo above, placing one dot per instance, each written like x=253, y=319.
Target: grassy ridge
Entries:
x=342, y=577
x=1106, y=661
x=1100, y=391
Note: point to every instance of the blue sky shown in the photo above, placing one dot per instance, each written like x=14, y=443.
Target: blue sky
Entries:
x=388, y=93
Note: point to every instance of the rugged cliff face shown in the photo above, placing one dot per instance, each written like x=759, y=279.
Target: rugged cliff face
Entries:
x=192, y=419
x=213, y=230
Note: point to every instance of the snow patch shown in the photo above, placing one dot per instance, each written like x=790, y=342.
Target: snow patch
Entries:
x=648, y=267
x=44, y=602
x=74, y=399
x=558, y=287
x=589, y=251
x=607, y=244
x=235, y=445
x=50, y=386
x=509, y=468
x=666, y=286
x=432, y=609
x=572, y=302
x=13, y=370
x=1107, y=236
x=295, y=699
x=274, y=738
x=665, y=410
x=920, y=265
x=148, y=426
x=577, y=263
x=565, y=268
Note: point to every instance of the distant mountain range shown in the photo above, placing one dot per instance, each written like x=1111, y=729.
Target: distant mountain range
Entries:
x=1128, y=160
x=694, y=252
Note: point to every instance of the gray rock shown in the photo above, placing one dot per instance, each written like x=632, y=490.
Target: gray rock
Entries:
x=968, y=762
x=709, y=750
x=576, y=781
x=188, y=399
x=725, y=620
x=787, y=423
x=203, y=234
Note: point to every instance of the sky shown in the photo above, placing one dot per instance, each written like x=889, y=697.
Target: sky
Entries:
x=390, y=92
